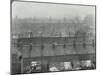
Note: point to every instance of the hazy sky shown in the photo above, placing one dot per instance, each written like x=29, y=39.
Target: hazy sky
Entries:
x=30, y=9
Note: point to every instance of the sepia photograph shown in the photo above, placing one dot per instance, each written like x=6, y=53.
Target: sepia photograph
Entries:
x=52, y=37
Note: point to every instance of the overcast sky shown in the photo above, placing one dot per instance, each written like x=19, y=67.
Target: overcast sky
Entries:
x=31, y=9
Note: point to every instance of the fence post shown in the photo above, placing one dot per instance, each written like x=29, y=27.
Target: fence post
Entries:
x=22, y=66
x=74, y=43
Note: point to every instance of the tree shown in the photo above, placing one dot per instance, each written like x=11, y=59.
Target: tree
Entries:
x=80, y=35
